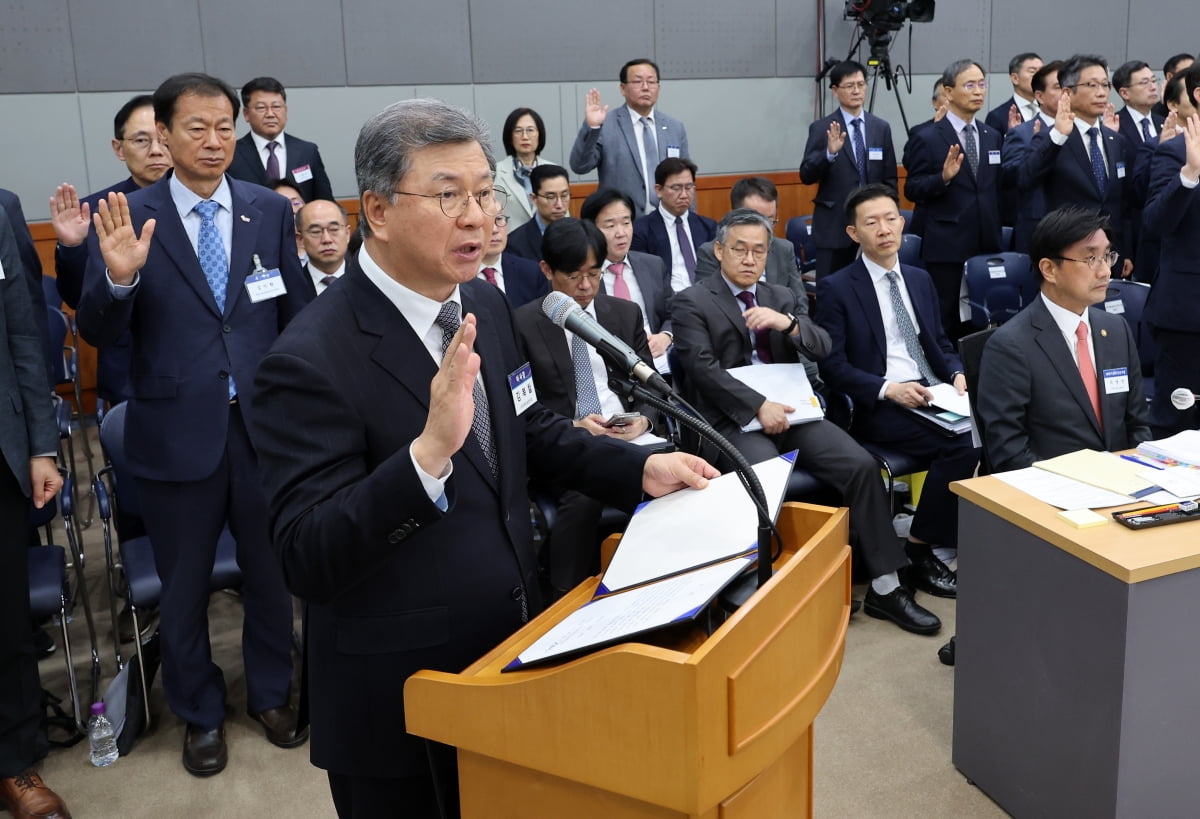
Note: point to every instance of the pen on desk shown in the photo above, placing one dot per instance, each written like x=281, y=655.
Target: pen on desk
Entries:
x=1138, y=460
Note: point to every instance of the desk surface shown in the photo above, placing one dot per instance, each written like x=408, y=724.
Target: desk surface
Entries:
x=1128, y=555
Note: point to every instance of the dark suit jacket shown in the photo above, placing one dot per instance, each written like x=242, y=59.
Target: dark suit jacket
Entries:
x=997, y=118
x=526, y=241
x=27, y=255
x=1032, y=403
x=392, y=583
x=184, y=349
x=650, y=235
x=545, y=345
x=654, y=279
x=247, y=165
x=1131, y=132
x=1174, y=212
x=711, y=337
x=835, y=180
x=849, y=311
x=961, y=219
x=781, y=267
x=523, y=280
x=1031, y=205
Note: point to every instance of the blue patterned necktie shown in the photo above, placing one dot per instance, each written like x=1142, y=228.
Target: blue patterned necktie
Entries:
x=210, y=251
x=908, y=332
x=1098, y=169
x=587, y=399
x=860, y=149
x=481, y=424
x=1146, y=136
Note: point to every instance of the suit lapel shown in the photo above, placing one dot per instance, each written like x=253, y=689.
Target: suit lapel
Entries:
x=247, y=220
x=1109, y=346
x=731, y=308
x=171, y=237
x=1050, y=339
x=864, y=290
x=555, y=343
x=495, y=383
x=1111, y=158
x=625, y=123
x=1079, y=152
x=250, y=158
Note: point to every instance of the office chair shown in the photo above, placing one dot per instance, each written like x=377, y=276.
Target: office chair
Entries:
x=999, y=285
x=62, y=358
x=1128, y=298
x=970, y=350
x=910, y=250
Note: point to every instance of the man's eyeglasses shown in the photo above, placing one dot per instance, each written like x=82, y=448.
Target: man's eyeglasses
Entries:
x=455, y=203
x=1145, y=83
x=742, y=251
x=852, y=86
x=262, y=107
x=317, y=231
x=141, y=142
x=643, y=83
x=551, y=198
x=501, y=220
x=976, y=86
x=1092, y=85
x=678, y=189
x=1093, y=262
x=574, y=278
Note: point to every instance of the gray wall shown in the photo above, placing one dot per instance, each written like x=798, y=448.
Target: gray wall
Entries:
x=739, y=74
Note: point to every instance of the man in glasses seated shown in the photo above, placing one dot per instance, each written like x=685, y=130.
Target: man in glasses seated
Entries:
x=324, y=229
x=551, y=199
x=673, y=231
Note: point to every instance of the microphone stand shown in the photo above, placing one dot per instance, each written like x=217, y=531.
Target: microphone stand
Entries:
x=738, y=592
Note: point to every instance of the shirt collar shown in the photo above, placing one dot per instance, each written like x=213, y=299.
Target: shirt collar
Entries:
x=878, y=272
x=1064, y=318
x=260, y=142
x=421, y=312
x=669, y=217
x=957, y=122
x=635, y=116
x=734, y=289
x=185, y=198
x=848, y=117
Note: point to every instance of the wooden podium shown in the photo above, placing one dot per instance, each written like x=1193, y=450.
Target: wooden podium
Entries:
x=682, y=725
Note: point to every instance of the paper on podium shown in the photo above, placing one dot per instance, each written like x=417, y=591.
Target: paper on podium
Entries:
x=1102, y=469
x=783, y=384
x=946, y=397
x=616, y=618
x=694, y=527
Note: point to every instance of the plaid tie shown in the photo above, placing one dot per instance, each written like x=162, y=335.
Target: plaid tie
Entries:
x=481, y=425
x=908, y=332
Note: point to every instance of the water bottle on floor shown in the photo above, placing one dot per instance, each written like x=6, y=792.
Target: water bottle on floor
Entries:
x=101, y=737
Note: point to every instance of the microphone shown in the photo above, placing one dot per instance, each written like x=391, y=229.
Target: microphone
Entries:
x=565, y=312
x=1183, y=399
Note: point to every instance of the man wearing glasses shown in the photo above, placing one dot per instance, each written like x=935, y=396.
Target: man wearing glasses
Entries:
x=551, y=199
x=1063, y=374
x=673, y=230
x=267, y=153
x=324, y=229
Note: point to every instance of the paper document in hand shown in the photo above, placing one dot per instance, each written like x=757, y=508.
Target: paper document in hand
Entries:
x=620, y=616
x=783, y=384
x=1102, y=469
x=1060, y=491
x=692, y=527
x=946, y=397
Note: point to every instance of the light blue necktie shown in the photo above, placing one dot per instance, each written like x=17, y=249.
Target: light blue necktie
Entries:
x=213, y=261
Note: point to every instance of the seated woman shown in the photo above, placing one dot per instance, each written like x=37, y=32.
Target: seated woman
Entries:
x=524, y=138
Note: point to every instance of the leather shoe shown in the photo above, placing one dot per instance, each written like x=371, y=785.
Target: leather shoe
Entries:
x=204, y=752
x=901, y=609
x=27, y=797
x=946, y=653
x=928, y=574
x=280, y=726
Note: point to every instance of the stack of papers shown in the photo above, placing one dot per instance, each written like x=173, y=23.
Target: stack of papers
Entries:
x=1101, y=469
x=1181, y=449
x=783, y=384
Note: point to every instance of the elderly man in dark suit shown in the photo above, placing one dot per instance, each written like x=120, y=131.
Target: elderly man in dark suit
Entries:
x=28, y=441
x=845, y=150
x=324, y=230
x=1063, y=374
x=673, y=231
x=202, y=271
x=267, y=154
x=396, y=454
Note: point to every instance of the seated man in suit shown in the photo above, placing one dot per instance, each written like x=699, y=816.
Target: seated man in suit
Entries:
x=517, y=277
x=650, y=285
x=846, y=149
x=324, y=231
x=1021, y=69
x=1063, y=374
x=625, y=147
x=888, y=346
x=738, y=320
x=1031, y=203
x=267, y=153
x=673, y=231
x=761, y=196
x=572, y=380
x=551, y=199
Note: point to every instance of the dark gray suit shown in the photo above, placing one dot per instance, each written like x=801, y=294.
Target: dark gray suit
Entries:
x=781, y=267
x=1031, y=400
x=612, y=150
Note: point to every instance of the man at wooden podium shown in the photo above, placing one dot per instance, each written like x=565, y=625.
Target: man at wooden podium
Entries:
x=395, y=438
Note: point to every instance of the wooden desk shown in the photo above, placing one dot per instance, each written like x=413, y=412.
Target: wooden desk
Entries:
x=1079, y=665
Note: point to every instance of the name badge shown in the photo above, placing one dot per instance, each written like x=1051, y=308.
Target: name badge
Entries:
x=875, y=154
x=997, y=271
x=264, y=284
x=672, y=152
x=302, y=174
x=1116, y=307
x=993, y=157
x=520, y=381
x=1116, y=380
x=1120, y=170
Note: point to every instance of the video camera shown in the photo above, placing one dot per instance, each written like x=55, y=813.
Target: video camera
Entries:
x=881, y=18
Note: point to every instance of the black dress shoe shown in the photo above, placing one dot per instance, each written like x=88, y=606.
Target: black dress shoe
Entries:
x=204, y=752
x=946, y=653
x=280, y=726
x=901, y=609
x=928, y=574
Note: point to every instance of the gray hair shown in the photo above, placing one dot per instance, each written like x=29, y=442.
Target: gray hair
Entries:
x=387, y=141
x=737, y=217
x=950, y=75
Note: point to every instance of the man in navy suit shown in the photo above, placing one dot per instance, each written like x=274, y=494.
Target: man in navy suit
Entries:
x=31, y=264
x=1032, y=208
x=202, y=271
x=674, y=231
x=954, y=179
x=1173, y=207
x=267, y=153
x=1175, y=64
x=519, y=278
x=551, y=197
x=888, y=347
x=649, y=286
x=324, y=230
x=1021, y=69
x=396, y=454
x=625, y=147
x=1135, y=82
x=845, y=150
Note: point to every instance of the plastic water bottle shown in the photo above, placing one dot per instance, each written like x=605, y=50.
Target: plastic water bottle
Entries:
x=102, y=738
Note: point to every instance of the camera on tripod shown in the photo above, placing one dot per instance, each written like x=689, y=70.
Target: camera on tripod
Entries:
x=880, y=19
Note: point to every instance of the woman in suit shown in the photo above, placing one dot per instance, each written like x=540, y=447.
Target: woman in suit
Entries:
x=524, y=139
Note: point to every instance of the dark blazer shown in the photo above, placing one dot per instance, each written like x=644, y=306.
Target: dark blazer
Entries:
x=10, y=203
x=526, y=241
x=654, y=279
x=1031, y=203
x=247, y=165
x=781, y=266
x=1032, y=403
x=392, y=583
x=849, y=311
x=1174, y=212
x=711, y=337
x=1131, y=132
x=184, y=349
x=835, y=180
x=612, y=150
x=961, y=219
x=650, y=234
x=997, y=118
x=523, y=280
x=545, y=345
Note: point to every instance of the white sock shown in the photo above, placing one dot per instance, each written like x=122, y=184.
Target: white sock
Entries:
x=945, y=553
x=885, y=584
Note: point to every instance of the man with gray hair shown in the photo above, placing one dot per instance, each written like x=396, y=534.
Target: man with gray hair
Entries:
x=396, y=444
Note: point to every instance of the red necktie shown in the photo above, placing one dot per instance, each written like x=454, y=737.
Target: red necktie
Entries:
x=1087, y=370
x=489, y=273
x=762, y=337
x=620, y=288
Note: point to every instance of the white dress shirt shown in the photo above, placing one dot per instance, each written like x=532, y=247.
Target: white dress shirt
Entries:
x=610, y=404
x=1067, y=322
x=317, y=276
x=680, y=280
x=900, y=365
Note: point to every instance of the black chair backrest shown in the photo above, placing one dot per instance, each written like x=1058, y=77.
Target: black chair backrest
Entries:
x=798, y=233
x=56, y=337
x=50, y=291
x=999, y=285
x=970, y=350
x=910, y=250
x=112, y=441
x=1129, y=300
